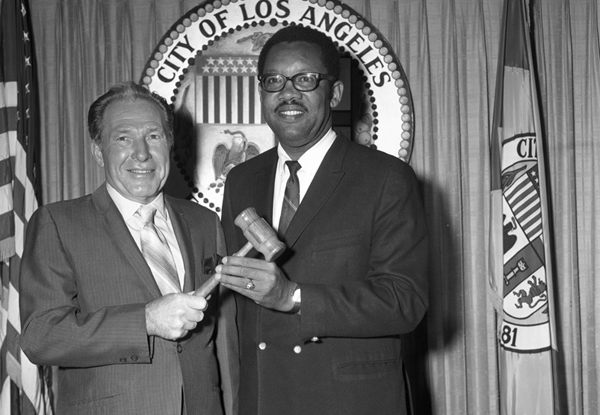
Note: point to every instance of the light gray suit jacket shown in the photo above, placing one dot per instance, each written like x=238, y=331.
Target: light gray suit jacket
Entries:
x=83, y=290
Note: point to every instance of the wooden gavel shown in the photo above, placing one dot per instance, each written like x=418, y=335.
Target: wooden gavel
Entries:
x=260, y=236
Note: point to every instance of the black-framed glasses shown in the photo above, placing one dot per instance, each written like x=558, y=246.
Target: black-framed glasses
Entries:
x=303, y=81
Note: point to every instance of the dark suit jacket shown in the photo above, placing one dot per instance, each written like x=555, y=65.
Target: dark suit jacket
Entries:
x=358, y=248
x=83, y=290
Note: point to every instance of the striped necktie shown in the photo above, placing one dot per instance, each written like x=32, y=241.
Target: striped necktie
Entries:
x=157, y=253
x=291, y=198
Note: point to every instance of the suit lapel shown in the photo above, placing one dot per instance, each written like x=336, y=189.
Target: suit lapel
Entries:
x=184, y=239
x=263, y=187
x=117, y=230
x=322, y=187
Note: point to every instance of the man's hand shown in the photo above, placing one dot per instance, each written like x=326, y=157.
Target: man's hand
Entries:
x=258, y=280
x=173, y=315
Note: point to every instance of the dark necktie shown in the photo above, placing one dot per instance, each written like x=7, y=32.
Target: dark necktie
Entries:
x=291, y=198
x=157, y=253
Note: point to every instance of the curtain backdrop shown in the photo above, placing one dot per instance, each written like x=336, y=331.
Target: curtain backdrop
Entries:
x=449, y=51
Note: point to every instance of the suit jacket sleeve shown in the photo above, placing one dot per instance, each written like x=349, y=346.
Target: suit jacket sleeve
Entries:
x=55, y=329
x=392, y=297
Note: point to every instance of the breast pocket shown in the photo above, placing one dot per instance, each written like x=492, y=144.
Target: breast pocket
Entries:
x=342, y=254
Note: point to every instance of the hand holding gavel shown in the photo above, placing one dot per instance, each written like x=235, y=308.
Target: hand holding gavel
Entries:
x=260, y=236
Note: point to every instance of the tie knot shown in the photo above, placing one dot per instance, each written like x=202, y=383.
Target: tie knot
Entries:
x=293, y=167
x=147, y=213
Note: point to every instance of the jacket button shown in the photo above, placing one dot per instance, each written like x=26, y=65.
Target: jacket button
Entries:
x=297, y=349
x=123, y=360
x=134, y=358
x=315, y=339
x=179, y=348
x=262, y=345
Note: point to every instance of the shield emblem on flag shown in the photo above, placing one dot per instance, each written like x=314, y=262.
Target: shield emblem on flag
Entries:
x=525, y=287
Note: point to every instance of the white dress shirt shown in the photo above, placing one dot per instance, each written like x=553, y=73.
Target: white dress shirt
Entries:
x=309, y=162
x=161, y=221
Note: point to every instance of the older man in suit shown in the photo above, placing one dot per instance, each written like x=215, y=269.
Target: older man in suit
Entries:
x=320, y=328
x=107, y=279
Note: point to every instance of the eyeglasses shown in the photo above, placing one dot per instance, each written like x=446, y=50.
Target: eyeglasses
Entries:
x=303, y=81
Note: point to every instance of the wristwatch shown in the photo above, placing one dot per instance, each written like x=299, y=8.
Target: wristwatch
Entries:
x=295, y=293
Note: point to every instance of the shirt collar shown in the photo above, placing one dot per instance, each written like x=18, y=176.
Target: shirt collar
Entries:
x=129, y=207
x=312, y=158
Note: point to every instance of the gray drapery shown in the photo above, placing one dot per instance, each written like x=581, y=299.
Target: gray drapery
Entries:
x=449, y=51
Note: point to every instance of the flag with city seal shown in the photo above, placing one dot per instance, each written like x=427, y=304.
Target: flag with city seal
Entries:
x=520, y=237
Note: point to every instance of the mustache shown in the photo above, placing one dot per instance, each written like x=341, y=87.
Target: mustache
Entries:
x=291, y=102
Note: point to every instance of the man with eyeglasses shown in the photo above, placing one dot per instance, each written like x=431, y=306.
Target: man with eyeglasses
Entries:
x=320, y=327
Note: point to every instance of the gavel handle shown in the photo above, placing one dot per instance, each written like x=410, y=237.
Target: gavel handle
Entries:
x=212, y=282
x=244, y=250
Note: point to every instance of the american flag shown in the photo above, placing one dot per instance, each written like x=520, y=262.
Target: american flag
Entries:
x=227, y=90
x=24, y=387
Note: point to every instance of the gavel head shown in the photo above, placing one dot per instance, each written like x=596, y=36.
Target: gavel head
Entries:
x=258, y=232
